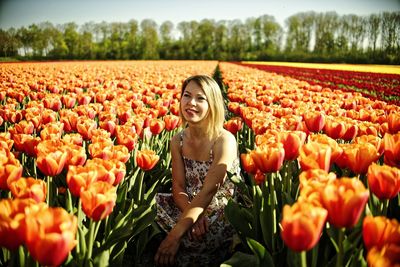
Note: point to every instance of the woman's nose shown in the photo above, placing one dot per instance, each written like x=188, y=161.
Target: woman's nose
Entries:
x=192, y=101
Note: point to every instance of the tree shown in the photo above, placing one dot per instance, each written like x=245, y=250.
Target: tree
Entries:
x=325, y=31
x=300, y=29
x=71, y=38
x=372, y=30
x=166, y=29
x=149, y=39
x=132, y=39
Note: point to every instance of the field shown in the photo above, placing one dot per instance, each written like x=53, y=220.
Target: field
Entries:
x=85, y=148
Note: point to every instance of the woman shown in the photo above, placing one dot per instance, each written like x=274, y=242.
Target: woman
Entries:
x=202, y=154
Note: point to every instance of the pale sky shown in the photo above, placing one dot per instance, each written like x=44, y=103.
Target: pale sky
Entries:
x=18, y=13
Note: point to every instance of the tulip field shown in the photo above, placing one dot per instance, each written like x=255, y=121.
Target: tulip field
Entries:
x=84, y=148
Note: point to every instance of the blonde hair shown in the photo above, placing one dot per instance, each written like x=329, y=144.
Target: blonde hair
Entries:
x=216, y=114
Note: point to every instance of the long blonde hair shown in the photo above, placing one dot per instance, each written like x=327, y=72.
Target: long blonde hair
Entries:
x=216, y=114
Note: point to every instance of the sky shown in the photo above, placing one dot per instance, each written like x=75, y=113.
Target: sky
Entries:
x=18, y=13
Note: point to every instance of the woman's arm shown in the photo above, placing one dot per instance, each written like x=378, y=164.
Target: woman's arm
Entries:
x=179, y=193
x=225, y=152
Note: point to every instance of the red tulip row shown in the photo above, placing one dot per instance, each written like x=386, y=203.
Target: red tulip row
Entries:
x=373, y=85
x=333, y=148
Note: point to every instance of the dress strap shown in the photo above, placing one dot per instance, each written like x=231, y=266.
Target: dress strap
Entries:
x=181, y=140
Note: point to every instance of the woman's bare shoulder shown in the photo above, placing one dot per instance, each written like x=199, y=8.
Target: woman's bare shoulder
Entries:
x=176, y=139
x=226, y=137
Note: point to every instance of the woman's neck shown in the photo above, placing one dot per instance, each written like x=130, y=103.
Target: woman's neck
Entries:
x=198, y=132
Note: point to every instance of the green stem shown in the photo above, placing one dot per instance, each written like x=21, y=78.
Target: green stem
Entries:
x=69, y=202
x=339, y=261
x=34, y=168
x=21, y=255
x=385, y=205
x=139, y=190
x=49, y=191
x=90, y=242
x=272, y=195
x=303, y=257
x=79, y=216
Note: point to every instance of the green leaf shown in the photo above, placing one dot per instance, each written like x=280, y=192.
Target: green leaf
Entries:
x=102, y=259
x=240, y=218
x=240, y=259
x=117, y=254
x=265, y=259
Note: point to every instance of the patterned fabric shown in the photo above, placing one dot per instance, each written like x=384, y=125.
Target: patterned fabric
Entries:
x=214, y=247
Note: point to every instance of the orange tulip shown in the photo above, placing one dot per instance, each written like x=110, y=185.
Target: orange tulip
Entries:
x=379, y=231
x=69, y=119
x=171, y=122
x=6, y=142
x=392, y=149
x=52, y=131
x=315, y=156
x=84, y=99
x=12, y=225
x=68, y=100
x=48, y=116
x=85, y=126
x=146, y=159
x=345, y=200
x=351, y=131
x=51, y=235
x=384, y=181
x=76, y=155
x=311, y=194
x=24, y=127
x=334, y=128
x=29, y=188
x=51, y=157
x=126, y=136
x=100, y=135
x=109, y=126
x=234, y=125
x=387, y=256
x=156, y=126
x=234, y=107
x=332, y=143
x=101, y=149
x=248, y=163
x=373, y=140
x=98, y=200
x=302, y=225
x=357, y=157
x=393, y=120
x=52, y=102
x=79, y=178
x=317, y=176
x=10, y=169
x=111, y=171
x=268, y=158
x=292, y=142
x=315, y=121
x=120, y=153
x=73, y=138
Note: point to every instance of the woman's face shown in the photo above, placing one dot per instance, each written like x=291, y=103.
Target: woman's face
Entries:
x=194, y=103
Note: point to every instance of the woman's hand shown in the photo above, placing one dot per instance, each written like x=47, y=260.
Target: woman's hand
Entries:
x=167, y=250
x=199, y=229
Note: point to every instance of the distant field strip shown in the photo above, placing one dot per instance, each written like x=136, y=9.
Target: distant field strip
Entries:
x=389, y=69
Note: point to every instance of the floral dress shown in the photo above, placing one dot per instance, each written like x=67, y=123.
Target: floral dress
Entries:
x=215, y=246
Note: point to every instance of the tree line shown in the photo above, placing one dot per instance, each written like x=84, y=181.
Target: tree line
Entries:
x=306, y=36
